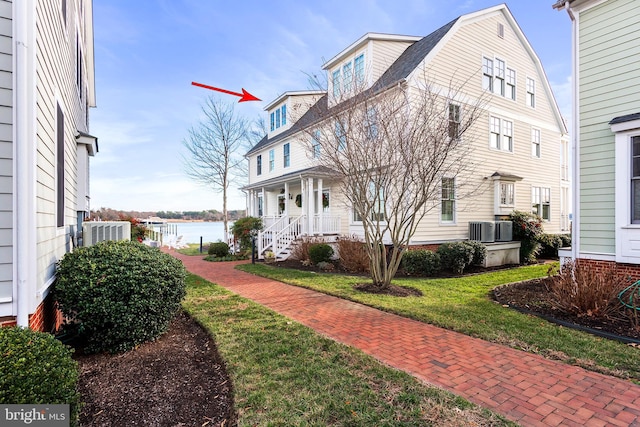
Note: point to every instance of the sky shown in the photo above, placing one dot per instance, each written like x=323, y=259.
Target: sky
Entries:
x=147, y=53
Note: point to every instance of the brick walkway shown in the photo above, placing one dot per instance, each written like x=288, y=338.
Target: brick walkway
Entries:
x=525, y=388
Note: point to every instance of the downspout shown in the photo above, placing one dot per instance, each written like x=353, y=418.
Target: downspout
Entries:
x=25, y=159
x=575, y=149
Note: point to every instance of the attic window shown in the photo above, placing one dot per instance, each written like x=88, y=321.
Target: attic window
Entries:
x=500, y=30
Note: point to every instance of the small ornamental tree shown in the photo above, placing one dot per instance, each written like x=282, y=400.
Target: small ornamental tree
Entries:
x=138, y=230
x=243, y=228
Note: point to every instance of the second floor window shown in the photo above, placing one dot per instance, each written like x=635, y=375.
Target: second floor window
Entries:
x=336, y=83
x=272, y=160
x=341, y=135
x=499, y=77
x=315, y=145
x=277, y=118
x=501, y=134
x=359, y=69
x=259, y=165
x=535, y=142
x=286, y=155
x=273, y=121
x=454, y=121
x=284, y=114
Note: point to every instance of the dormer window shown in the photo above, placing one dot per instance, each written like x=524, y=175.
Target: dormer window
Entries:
x=344, y=77
x=278, y=117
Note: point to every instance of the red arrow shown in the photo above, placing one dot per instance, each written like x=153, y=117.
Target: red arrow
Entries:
x=244, y=96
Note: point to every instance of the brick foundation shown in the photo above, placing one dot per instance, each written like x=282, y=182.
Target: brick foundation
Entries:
x=46, y=318
x=626, y=271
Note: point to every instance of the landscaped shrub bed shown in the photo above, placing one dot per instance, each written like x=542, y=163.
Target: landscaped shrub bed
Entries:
x=35, y=368
x=527, y=228
x=218, y=249
x=320, y=252
x=421, y=262
x=353, y=255
x=118, y=294
x=550, y=243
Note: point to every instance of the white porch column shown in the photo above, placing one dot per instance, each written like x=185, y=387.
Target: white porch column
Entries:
x=304, y=206
x=250, y=203
x=320, y=207
x=286, y=199
x=264, y=202
x=309, y=201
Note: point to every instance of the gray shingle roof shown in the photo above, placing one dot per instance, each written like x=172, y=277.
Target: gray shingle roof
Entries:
x=398, y=71
x=623, y=119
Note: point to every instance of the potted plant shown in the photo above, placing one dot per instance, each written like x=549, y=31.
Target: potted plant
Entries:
x=269, y=257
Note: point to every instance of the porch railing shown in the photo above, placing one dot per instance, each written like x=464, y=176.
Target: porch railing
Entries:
x=328, y=224
x=272, y=226
x=283, y=239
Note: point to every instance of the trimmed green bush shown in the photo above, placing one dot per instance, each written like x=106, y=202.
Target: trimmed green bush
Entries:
x=456, y=256
x=527, y=228
x=119, y=294
x=219, y=249
x=479, y=251
x=35, y=368
x=320, y=252
x=421, y=262
x=550, y=243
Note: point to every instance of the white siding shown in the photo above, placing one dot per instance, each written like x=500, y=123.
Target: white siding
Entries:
x=6, y=153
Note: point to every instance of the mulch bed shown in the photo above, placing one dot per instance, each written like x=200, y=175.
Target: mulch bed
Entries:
x=177, y=380
x=533, y=296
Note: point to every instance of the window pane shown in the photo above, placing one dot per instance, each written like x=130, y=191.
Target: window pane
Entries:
x=336, y=83
x=284, y=115
x=359, y=68
x=273, y=126
x=546, y=212
x=347, y=76
x=277, y=118
x=635, y=203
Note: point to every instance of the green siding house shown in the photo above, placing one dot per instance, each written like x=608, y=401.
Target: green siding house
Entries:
x=606, y=131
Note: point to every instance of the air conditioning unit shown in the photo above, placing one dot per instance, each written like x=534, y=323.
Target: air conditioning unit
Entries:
x=482, y=231
x=97, y=231
x=504, y=231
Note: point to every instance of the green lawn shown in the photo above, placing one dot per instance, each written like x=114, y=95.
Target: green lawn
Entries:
x=463, y=304
x=194, y=249
x=285, y=374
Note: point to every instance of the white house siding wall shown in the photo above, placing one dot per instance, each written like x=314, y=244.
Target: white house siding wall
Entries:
x=605, y=44
x=6, y=153
x=56, y=84
x=383, y=54
x=461, y=53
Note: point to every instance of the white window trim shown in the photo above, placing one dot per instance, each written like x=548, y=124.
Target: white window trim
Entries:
x=454, y=221
x=627, y=234
x=540, y=187
x=526, y=92
x=539, y=144
x=501, y=140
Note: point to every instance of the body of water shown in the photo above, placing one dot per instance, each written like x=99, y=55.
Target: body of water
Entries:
x=192, y=231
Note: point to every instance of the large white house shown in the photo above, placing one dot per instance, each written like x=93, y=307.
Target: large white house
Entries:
x=520, y=147
x=46, y=90
x=606, y=132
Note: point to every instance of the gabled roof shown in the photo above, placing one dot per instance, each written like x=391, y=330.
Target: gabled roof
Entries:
x=292, y=93
x=366, y=38
x=407, y=63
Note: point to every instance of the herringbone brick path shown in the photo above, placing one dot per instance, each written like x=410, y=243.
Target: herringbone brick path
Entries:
x=523, y=387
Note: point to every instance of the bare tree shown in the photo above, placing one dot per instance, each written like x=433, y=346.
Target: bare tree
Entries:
x=396, y=151
x=215, y=147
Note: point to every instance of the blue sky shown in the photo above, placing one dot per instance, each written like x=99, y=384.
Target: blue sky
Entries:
x=147, y=53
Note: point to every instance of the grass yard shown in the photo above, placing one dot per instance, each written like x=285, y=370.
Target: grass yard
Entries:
x=463, y=304
x=285, y=374
x=194, y=249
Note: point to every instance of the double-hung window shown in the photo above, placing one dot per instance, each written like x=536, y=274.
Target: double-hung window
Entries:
x=347, y=76
x=272, y=160
x=635, y=180
x=501, y=134
x=448, y=201
x=277, y=118
x=336, y=83
x=286, y=158
x=535, y=142
x=284, y=114
x=507, y=194
x=511, y=84
x=358, y=65
x=487, y=74
x=375, y=204
x=531, y=92
x=259, y=165
x=315, y=145
x=341, y=135
x=454, y=121
x=499, y=77
x=541, y=202
x=372, y=123
x=273, y=121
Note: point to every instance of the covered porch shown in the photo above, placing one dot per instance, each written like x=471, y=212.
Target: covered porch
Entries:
x=292, y=205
